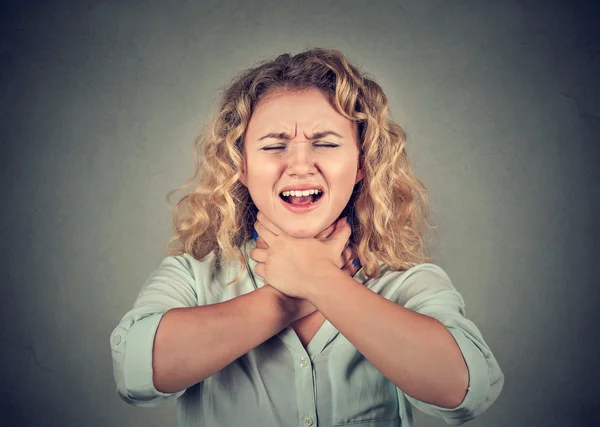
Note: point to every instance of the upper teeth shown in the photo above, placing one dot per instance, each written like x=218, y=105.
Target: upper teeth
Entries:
x=300, y=193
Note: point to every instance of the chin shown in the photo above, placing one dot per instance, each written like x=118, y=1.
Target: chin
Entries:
x=298, y=230
x=300, y=227
x=301, y=233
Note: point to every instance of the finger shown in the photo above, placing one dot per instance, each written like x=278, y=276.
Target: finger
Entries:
x=270, y=226
x=258, y=255
x=264, y=232
x=347, y=254
x=259, y=270
x=349, y=266
x=261, y=244
x=326, y=233
x=341, y=236
x=354, y=250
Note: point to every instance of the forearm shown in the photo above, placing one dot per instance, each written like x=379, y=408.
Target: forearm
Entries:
x=193, y=343
x=416, y=352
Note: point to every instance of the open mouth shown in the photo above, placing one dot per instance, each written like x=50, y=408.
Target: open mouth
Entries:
x=301, y=200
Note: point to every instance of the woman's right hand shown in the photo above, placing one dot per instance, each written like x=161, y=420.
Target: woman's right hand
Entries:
x=298, y=307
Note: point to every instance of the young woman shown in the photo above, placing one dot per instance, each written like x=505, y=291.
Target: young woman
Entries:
x=333, y=313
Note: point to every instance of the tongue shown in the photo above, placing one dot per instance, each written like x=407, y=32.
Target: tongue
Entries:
x=301, y=200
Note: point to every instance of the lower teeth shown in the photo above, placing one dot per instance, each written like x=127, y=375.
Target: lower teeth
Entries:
x=310, y=203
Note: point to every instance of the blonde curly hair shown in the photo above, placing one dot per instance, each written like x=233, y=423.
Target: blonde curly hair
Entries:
x=390, y=206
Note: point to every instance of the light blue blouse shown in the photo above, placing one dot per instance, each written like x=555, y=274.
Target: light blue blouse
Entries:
x=281, y=383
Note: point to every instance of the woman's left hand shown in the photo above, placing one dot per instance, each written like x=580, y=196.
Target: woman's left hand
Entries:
x=292, y=264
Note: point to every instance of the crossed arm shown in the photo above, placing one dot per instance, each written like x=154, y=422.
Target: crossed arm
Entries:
x=416, y=352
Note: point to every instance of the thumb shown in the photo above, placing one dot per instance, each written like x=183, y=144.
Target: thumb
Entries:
x=342, y=233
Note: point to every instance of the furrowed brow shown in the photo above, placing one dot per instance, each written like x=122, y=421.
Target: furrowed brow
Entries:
x=283, y=135
x=324, y=134
x=276, y=135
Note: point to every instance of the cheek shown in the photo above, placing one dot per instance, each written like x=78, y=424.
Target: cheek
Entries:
x=343, y=173
x=344, y=184
x=263, y=176
x=261, y=187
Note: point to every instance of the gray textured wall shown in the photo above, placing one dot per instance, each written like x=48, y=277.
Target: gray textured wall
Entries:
x=100, y=102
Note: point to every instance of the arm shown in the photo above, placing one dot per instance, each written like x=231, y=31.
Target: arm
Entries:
x=170, y=320
x=215, y=334
x=415, y=352
x=419, y=339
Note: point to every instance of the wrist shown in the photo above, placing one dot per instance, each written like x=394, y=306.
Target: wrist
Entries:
x=279, y=302
x=323, y=275
x=290, y=308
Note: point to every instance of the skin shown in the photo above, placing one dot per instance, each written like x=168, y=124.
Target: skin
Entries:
x=300, y=158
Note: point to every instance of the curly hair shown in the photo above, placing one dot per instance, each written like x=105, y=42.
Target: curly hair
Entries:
x=390, y=206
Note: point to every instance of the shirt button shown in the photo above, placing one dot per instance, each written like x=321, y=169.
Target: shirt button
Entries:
x=303, y=362
x=116, y=340
x=308, y=421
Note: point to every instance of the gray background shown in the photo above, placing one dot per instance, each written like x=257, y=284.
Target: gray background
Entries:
x=100, y=103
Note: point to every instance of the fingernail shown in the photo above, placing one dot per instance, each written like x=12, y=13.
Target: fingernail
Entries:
x=254, y=234
x=349, y=219
x=350, y=244
x=355, y=263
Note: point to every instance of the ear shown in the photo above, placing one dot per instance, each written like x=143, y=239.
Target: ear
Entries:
x=360, y=174
x=243, y=177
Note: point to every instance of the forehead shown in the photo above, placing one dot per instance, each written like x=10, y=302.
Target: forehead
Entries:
x=307, y=110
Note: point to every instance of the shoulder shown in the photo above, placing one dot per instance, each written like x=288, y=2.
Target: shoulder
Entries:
x=427, y=274
x=212, y=275
x=417, y=283
x=186, y=264
x=180, y=272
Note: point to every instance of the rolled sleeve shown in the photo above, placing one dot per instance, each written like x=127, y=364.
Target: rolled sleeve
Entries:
x=171, y=285
x=485, y=377
x=429, y=291
x=133, y=373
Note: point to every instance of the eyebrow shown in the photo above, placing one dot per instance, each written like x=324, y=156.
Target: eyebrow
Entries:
x=283, y=135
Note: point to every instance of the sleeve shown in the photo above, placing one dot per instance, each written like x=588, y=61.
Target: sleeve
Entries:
x=171, y=285
x=428, y=290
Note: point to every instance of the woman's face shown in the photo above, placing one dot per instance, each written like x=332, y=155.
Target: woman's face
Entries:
x=297, y=138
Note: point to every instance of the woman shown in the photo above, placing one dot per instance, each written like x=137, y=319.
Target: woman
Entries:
x=298, y=337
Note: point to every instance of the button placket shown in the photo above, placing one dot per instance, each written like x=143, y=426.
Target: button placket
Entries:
x=305, y=391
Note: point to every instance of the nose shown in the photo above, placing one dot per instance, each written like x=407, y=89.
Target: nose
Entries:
x=301, y=159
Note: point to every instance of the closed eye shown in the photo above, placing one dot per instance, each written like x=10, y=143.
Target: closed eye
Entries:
x=315, y=145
